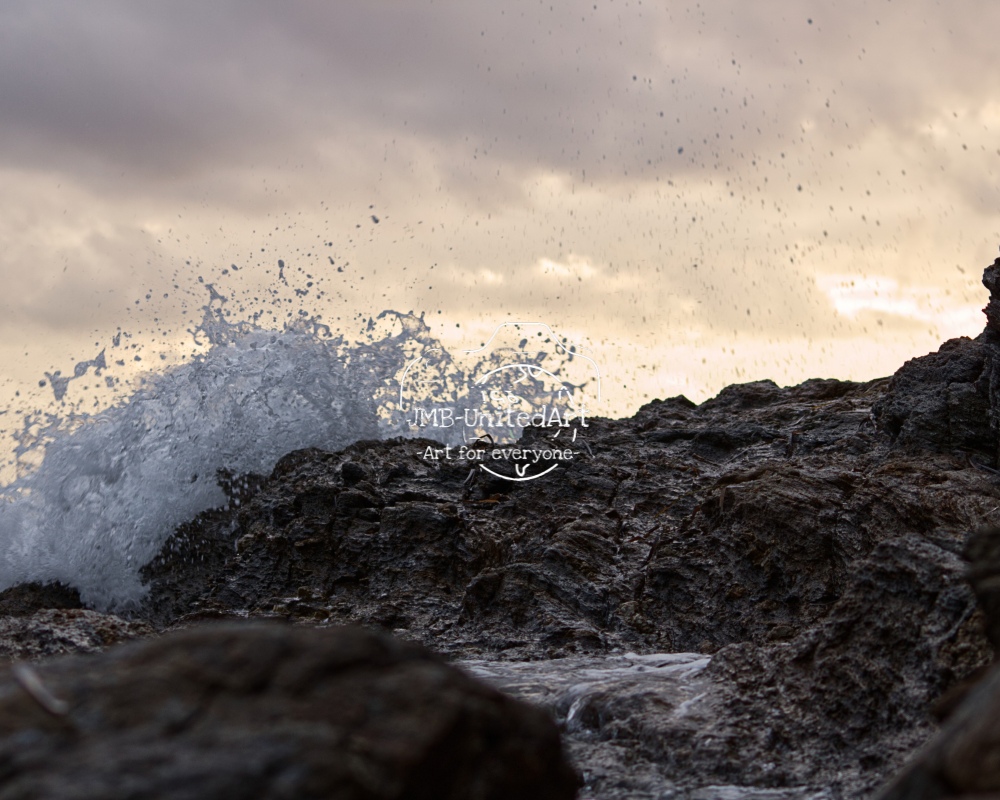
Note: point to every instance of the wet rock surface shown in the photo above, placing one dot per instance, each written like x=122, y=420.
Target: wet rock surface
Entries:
x=270, y=711
x=41, y=620
x=815, y=555
x=964, y=758
x=804, y=546
x=55, y=632
x=632, y=722
x=26, y=598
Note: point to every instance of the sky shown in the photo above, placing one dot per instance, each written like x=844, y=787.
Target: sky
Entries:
x=699, y=193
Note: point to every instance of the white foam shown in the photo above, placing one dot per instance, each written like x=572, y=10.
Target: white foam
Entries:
x=98, y=494
x=113, y=486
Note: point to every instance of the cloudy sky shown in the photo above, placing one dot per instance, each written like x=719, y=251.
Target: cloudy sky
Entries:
x=703, y=192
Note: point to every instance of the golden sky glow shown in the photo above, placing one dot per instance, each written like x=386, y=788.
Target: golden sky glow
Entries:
x=704, y=193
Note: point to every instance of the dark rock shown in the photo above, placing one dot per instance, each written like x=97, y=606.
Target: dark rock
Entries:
x=809, y=536
x=991, y=280
x=964, y=759
x=54, y=632
x=352, y=473
x=27, y=598
x=942, y=401
x=270, y=711
x=828, y=580
x=743, y=396
x=186, y=564
x=950, y=400
x=837, y=685
x=983, y=554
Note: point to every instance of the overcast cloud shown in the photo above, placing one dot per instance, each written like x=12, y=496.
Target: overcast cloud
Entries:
x=742, y=190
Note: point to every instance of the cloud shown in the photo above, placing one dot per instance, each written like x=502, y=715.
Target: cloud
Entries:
x=127, y=96
x=67, y=261
x=654, y=171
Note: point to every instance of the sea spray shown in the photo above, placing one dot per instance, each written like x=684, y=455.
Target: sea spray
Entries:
x=99, y=493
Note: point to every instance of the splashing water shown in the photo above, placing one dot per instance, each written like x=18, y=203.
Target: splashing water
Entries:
x=112, y=486
x=107, y=489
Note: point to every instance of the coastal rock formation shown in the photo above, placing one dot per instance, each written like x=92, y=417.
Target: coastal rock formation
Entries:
x=950, y=400
x=42, y=620
x=764, y=595
x=983, y=554
x=943, y=401
x=815, y=555
x=270, y=711
x=27, y=598
x=991, y=280
x=55, y=632
x=964, y=758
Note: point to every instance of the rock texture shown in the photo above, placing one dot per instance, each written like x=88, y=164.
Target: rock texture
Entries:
x=41, y=620
x=804, y=545
x=688, y=529
x=270, y=711
x=964, y=759
x=816, y=553
x=55, y=632
x=983, y=554
x=991, y=280
x=25, y=599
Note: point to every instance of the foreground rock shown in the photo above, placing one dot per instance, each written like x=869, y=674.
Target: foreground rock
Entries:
x=56, y=632
x=25, y=599
x=43, y=620
x=964, y=759
x=270, y=711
